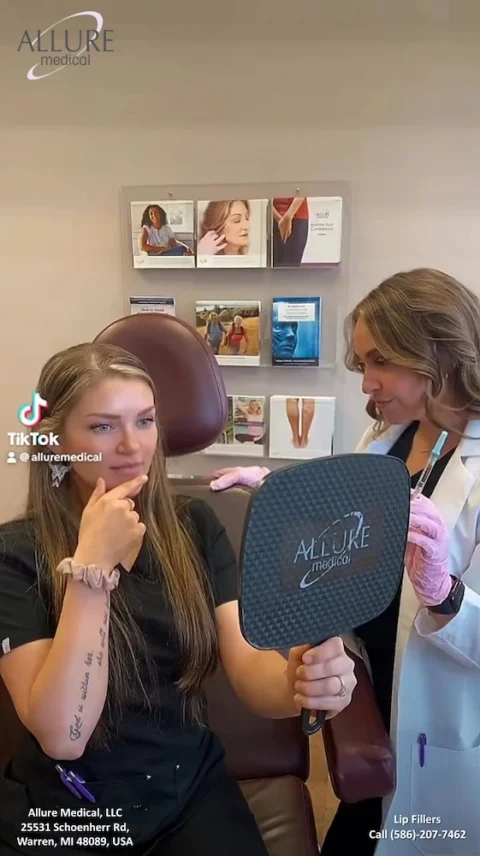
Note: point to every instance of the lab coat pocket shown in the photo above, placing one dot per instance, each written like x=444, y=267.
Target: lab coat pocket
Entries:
x=445, y=791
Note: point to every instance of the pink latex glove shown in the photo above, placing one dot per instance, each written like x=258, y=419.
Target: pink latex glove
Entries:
x=427, y=552
x=247, y=476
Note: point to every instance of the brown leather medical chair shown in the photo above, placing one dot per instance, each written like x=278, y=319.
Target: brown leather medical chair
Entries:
x=270, y=758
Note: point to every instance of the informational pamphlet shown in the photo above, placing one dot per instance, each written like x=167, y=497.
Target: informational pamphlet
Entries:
x=232, y=329
x=232, y=233
x=296, y=331
x=244, y=434
x=301, y=427
x=307, y=231
x=163, y=234
x=164, y=305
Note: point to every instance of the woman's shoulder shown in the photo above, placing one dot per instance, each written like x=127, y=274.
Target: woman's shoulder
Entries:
x=200, y=518
x=367, y=437
x=17, y=544
x=372, y=433
x=211, y=540
x=198, y=512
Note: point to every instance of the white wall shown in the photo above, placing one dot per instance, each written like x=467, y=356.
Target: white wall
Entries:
x=382, y=97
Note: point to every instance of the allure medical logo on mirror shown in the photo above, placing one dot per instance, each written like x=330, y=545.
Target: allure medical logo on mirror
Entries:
x=337, y=549
x=77, y=40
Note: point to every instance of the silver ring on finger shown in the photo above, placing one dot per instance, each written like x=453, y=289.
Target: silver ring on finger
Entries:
x=343, y=689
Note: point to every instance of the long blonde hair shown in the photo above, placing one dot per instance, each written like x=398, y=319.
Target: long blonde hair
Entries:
x=428, y=322
x=54, y=516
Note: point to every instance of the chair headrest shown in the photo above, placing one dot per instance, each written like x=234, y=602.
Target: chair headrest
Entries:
x=191, y=398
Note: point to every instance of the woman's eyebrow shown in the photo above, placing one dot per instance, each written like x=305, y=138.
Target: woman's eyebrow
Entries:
x=117, y=416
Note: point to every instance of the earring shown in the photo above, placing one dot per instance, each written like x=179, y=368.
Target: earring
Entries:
x=58, y=473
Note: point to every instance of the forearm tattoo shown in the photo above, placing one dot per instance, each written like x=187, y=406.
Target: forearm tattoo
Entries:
x=91, y=657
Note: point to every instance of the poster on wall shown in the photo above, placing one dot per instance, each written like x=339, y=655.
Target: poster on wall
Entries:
x=232, y=233
x=301, y=427
x=164, y=305
x=244, y=433
x=232, y=329
x=296, y=331
x=163, y=234
x=306, y=231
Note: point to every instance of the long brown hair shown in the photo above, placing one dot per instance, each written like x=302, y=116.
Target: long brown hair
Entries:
x=426, y=321
x=55, y=515
x=215, y=216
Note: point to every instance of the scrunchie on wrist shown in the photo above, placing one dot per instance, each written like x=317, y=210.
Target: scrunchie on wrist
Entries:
x=91, y=575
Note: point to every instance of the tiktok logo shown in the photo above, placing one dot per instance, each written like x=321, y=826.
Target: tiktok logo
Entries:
x=31, y=414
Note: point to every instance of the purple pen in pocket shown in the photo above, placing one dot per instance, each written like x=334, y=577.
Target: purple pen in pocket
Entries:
x=80, y=785
x=422, y=743
x=74, y=783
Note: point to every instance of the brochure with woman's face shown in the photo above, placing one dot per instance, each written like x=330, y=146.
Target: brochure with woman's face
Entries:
x=163, y=234
x=301, y=427
x=232, y=233
x=244, y=433
x=231, y=329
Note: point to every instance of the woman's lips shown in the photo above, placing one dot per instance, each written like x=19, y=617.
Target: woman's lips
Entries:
x=125, y=467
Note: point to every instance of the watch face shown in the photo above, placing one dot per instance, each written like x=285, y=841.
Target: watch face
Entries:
x=456, y=594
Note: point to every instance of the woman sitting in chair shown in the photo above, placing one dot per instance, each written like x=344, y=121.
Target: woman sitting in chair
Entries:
x=116, y=602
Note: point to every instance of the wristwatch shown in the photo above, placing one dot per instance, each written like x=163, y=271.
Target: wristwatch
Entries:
x=453, y=602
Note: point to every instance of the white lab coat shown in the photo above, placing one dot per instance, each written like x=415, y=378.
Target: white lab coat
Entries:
x=436, y=686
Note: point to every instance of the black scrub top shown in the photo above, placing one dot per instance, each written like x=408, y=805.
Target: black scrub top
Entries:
x=379, y=635
x=155, y=767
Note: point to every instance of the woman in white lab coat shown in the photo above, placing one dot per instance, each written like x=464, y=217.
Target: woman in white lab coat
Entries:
x=416, y=340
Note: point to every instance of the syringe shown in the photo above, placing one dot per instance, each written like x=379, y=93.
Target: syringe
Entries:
x=434, y=456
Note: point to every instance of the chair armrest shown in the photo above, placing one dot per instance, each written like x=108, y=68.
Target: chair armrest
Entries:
x=359, y=753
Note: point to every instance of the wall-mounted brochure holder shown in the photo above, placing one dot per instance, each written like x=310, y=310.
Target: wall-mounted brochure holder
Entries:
x=251, y=296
